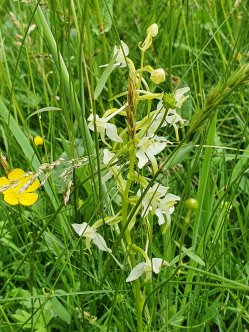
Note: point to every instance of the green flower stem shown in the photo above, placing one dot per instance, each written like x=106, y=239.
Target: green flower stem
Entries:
x=141, y=251
x=125, y=206
x=141, y=73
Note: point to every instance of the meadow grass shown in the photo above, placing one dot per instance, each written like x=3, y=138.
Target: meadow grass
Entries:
x=51, y=79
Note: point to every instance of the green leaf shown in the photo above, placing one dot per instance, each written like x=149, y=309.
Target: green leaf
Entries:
x=45, y=109
x=104, y=77
x=189, y=252
x=60, y=310
x=103, y=22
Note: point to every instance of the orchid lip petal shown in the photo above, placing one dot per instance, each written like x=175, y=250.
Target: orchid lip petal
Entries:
x=112, y=133
x=142, y=158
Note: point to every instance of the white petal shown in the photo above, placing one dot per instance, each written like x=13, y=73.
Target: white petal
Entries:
x=84, y=229
x=157, y=263
x=142, y=159
x=142, y=142
x=159, y=106
x=108, y=156
x=172, y=117
x=157, y=147
x=90, y=118
x=136, y=272
x=100, y=242
x=121, y=53
x=161, y=190
x=180, y=92
x=170, y=199
x=159, y=214
x=125, y=48
x=112, y=133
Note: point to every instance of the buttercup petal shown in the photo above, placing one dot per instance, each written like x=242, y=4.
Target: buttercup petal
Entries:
x=4, y=182
x=27, y=198
x=11, y=198
x=35, y=185
x=16, y=174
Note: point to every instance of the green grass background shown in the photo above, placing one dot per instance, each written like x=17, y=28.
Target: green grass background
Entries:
x=50, y=55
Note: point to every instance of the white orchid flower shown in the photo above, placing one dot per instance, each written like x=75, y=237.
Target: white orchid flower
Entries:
x=166, y=206
x=103, y=127
x=158, y=202
x=91, y=236
x=152, y=198
x=153, y=265
x=121, y=52
x=148, y=148
x=178, y=96
x=172, y=117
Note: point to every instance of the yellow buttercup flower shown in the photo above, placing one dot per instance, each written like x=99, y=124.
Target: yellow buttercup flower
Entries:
x=16, y=189
x=38, y=140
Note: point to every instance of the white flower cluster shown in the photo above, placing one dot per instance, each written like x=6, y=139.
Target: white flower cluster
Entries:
x=156, y=201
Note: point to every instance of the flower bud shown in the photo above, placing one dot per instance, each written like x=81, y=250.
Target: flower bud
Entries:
x=38, y=140
x=192, y=204
x=158, y=76
x=152, y=30
x=169, y=101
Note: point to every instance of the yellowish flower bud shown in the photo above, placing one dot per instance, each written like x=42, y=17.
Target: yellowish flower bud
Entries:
x=152, y=30
x=158, y=76
x=192, y=204
x=38, y=140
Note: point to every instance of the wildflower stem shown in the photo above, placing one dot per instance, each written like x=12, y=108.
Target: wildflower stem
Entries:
x=125, y=206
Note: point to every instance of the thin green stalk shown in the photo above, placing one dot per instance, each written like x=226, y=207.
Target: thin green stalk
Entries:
x=201, y=196
x=62, y=69
x=125, y=206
